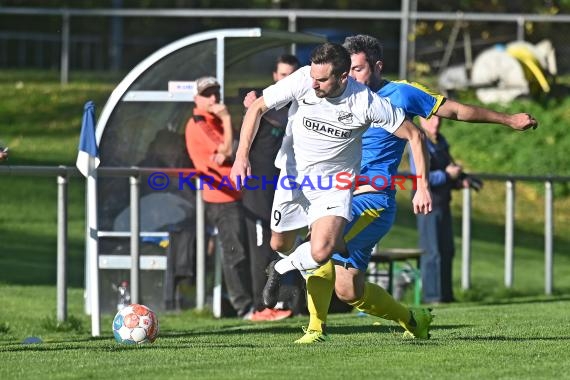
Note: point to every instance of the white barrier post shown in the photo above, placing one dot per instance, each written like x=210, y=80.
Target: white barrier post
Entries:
x=466, y=240
x=509, y=232
x=200, y=251
x=61, y=248
x=548, y=237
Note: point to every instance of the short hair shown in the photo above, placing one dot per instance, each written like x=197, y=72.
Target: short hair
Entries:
x=288, y=59
x=334, y=54
x=362, y=43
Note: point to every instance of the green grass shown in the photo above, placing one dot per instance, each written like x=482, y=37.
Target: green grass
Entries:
x=493, y=332
x=509, y=340
x=41, y=120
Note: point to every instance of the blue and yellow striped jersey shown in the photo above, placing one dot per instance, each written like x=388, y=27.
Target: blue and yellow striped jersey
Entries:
x=382, y=151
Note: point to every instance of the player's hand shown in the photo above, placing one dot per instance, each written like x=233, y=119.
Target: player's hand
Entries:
x=241, y=169
x=422, y=202
x=523, y=121
x=249, y=98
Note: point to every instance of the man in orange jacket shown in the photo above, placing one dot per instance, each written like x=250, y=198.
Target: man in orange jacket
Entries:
x=209, y=142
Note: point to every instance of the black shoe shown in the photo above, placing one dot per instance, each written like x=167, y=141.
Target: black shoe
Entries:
x=271, y=289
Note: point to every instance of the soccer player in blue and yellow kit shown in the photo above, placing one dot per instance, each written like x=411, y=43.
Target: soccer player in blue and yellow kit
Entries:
x=374, y=210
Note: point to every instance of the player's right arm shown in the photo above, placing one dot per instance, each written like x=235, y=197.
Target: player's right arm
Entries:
x=241, y=167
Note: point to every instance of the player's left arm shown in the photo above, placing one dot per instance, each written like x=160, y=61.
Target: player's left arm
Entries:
x=241, y=167
x=416, y=139
x=451, y=109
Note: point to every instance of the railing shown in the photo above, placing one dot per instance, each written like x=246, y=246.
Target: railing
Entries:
x=62, y=173
x=510, y=181
x=405, y=15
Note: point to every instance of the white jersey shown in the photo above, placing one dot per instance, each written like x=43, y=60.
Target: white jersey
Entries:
x=286, y=148
x=326, y=133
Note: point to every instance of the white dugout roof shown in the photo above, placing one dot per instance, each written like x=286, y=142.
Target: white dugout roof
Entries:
x=157, y=95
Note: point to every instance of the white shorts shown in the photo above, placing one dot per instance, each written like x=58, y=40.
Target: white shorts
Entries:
x=295, y=207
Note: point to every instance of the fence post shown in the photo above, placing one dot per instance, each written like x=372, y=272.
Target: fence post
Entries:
x=64, y=70
x=217, y=296
x=292, y=27
x=548, y=237
x=466, y=240
x=200, y=250
x=509, y=232
x=404, y=30
x=135, y=239
x=92, y=250
x=61, y=248
x=520, y=28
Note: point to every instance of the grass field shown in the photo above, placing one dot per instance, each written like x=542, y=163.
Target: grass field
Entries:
x=493, y=332
x=522, y=339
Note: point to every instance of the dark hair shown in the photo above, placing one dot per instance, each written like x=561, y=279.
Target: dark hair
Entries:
x=362, y=43
x=334, y=54
x=288, y=59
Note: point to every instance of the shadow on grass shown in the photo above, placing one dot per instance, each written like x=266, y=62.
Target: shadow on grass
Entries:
x=115, y=347
x=384, y=328
x=521, y=301
x=389, y=327
x=509, y=338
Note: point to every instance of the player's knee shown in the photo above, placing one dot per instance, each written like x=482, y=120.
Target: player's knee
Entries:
x=322, y=250
x=346, y=294
x=277, y=245
x=321, y=254
x=280, y=244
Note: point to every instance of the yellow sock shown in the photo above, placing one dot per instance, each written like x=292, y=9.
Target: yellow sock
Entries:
x=377, y=301
x=320, y=286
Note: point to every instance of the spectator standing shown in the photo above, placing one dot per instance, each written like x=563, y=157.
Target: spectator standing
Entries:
x=209, y=143
x=436, y=229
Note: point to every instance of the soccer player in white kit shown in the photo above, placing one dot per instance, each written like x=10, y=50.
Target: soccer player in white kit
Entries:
x=332, y=113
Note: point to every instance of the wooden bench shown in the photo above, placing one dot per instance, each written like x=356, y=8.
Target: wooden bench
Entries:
x=390, y=256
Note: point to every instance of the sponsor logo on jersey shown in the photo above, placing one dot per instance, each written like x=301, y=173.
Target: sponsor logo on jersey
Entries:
x=326, y=129
x=345, y=117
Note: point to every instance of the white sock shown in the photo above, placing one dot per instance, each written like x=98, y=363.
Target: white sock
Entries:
x=300, y=259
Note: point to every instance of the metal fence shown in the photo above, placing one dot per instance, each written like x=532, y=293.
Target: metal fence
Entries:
x=406, y=17
x=62, y=173
x=510, y=181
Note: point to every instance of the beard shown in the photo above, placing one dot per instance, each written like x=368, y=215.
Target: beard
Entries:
x=320, y=93
x=333, y=92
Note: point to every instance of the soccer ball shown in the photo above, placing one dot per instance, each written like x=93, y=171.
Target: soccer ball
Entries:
x=135, y=324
